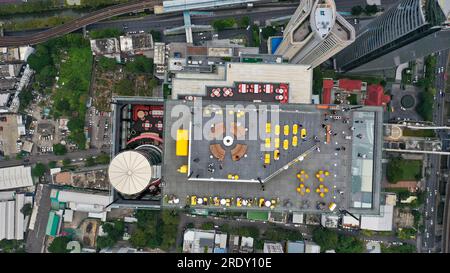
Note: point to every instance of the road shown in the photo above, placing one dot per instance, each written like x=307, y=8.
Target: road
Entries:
x=51, y=157
x=432, y=184
x=36, y=234
x=160, y=22
x=78, y=23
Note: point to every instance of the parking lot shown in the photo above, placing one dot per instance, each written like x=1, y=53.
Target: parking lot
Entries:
x=100, y=128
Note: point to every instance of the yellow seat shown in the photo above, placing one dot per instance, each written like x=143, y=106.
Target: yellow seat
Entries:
x=267, y=159
x=285, y=144
x=295, y=141
x=286, y=130
x=268, y=128
x=267, y=143
x=276, y=154
x=230, y=176
x=277, y=143
x=193, y=200
x=303, y=133
x=277, y=130
x=294, y=129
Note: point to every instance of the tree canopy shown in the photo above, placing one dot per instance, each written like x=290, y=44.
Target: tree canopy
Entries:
x=38, y=170
x=59, y=245
x=59, y=149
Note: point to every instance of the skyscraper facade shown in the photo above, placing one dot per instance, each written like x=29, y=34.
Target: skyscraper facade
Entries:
x=405, y=23
x=315, y=33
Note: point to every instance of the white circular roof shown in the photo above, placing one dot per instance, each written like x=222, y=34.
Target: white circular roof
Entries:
x=130, y=172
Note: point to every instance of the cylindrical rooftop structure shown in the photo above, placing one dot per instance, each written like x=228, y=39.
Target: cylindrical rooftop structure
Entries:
x=131, y=172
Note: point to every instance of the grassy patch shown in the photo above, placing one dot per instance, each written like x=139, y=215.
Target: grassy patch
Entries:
x=399, y=169
x=418, y=133
x=37, y=23
x=72, y=57
x=405, y=248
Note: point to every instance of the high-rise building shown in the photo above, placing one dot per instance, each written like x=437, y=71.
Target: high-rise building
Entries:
x=315, y=33
x=408, y=30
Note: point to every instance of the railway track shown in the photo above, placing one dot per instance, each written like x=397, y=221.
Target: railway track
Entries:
x=78, y=23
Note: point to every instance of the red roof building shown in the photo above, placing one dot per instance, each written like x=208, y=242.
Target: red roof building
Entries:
x=376, y=96
x=326, y=93
x=350, y=85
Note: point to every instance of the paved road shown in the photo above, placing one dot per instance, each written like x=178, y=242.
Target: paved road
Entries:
x=78, y=23
x=51, y=157
x=36, y=234
x=161, y=22
x=432, y=184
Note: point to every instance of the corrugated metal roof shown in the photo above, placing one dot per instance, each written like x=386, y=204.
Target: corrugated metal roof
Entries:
x=15, y=177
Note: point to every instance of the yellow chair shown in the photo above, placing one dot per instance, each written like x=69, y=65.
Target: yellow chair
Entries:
x=303, y=133
x=286, y=144
x=277, y=143
x=267, y=159
x=294, y=129
x=268, y=128
x=286, y=130
x=294, y=141
x=277, y=130
x=267, y=143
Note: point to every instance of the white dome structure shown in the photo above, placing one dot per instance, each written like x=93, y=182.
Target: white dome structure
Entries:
x=130, y=172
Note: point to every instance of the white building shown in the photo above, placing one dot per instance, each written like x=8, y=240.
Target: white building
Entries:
x=315, y=33
x=12, y=220
x=298, y=77
x=329, y=220
x=204, y=241
x=15, y=177
x=93, y=203
x=135, y=43
x=108, y=47
x=270, y=247
x=383, y=221
x=311, y=247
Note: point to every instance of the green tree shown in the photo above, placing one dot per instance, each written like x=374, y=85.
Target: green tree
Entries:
x=102, y=158
x=140, y=65
x=221, y=24
x=349, y=244
x=106, y=64
x=105, y=242
x=79, y=139
x=244, y=22
x=59, y=245
x=357, y=10
x=66, y=162
x=105, y=33
x=59, y=149
x=268, y=31
x=11, y=246
x=46, y=76
x=52, y=164
x=139, y=238
x=156, y=35
x=40, y=59
x=124, y=87
x=39, y=170
x=207, y=226
x=394, y=171
x=26, y=209
x=371, y=9
x=90, y=161
x=325, y=238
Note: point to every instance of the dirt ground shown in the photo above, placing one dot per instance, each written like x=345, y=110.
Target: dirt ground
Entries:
x=89, y=232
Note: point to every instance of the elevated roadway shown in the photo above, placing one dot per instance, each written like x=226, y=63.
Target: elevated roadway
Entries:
x=78, y=23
